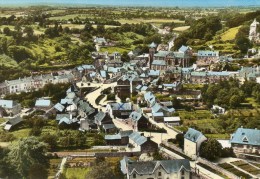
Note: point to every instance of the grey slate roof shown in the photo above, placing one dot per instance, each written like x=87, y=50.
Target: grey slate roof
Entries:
x=121, y=106
x=113, y=137
x=43, y=103
x=148, y=167
x=135, y=116
x=246, y=136
x=109, y=126
x=207, y=53
x=15, y=120
x=193, y=135
x=159, y=62
x=100, y=116
x=7, y=103
x=59, y=107
x=137, y=138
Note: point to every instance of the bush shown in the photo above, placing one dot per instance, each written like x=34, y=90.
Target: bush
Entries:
x=111, y=97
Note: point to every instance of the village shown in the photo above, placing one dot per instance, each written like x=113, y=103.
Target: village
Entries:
x=138, y=112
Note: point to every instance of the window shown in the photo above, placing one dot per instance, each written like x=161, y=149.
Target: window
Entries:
x=134, y=175
x=182, y=178
x=182, y=172
x=159, y=173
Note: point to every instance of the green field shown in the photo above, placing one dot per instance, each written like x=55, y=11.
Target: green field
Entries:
x=77, y=173
x=230, y=34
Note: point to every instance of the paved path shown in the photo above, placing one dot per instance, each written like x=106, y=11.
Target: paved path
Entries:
x=91, y=97
x=63, y=162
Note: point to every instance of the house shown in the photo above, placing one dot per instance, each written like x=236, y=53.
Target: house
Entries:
x=138, y=121
x=192, y=142
x=109, y=128
x=205, y=58
x=100, y=41
x=217, y=109
x=11, y=107
x=102, y=118
x=126, y=85
x=159, y=112
x=85, y=109
x=172, y=87
x=162, y=169
x=122, y=138
x=246, y=141
x=149, y=98
x=172, y=120
x=142, y=143
x=43, y=104
x=119, y=110
x=13, y=122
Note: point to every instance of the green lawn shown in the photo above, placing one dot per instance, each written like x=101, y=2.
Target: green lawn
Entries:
x=21, y=133
x=76, y=173
x=54, y=165
x=230, y=34
x=114, y=49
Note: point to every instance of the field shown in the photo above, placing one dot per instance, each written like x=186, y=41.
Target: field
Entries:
x=152, y=21
x=230, y=34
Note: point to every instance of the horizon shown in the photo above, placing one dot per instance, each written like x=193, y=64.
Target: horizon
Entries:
x=133, y=3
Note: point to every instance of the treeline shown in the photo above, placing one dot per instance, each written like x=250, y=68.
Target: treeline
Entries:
x=230, y=94
x=239, y=19
x=204, y=28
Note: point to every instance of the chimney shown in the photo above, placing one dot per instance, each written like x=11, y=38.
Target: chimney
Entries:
x=148, y=138
x=70, y=115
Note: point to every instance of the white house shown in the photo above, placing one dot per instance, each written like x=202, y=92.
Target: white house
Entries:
x=11, y=107
x=162, y=169
x=192, y=142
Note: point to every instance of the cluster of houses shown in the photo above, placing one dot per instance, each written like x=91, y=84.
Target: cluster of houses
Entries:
x=33, y=83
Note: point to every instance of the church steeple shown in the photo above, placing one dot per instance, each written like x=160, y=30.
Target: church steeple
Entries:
x=152, y=50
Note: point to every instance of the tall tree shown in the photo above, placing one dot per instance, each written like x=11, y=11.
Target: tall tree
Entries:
x=25, y=153
x=210, y=149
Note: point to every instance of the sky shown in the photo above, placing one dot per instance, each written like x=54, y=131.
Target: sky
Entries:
x=167, y=3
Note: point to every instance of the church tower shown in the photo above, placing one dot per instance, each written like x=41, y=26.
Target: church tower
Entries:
x=253, y=35
x=152, y=50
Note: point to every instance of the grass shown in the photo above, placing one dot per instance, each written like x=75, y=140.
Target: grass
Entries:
x=21, y=133
x=79, y=173
x=2, y=120
x=193, y=86
x=218, y=136
x=230, y=34
x=114, y=49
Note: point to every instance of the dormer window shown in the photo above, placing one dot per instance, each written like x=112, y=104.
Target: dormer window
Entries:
x=134, y=175
x=245, y=139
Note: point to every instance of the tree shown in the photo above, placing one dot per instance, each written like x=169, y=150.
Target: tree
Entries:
x=7, y=31
x=29, y=31
x=25, y=153
x=235, y=101
x=101, y=171
x=243, y=44
x=51, y=140
x=210, y=149
x=38, y=171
